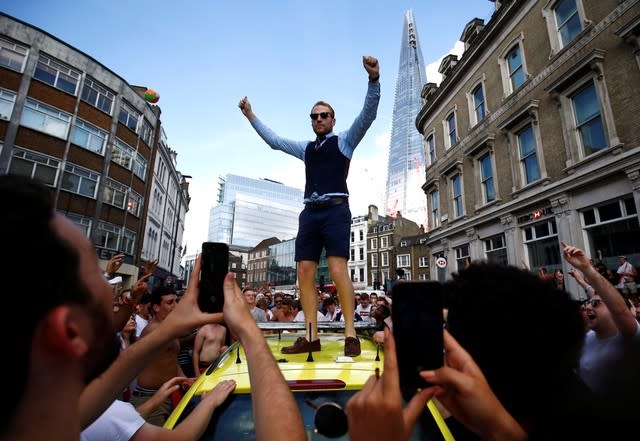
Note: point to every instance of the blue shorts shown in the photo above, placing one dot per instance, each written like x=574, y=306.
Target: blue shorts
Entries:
x=327, y=228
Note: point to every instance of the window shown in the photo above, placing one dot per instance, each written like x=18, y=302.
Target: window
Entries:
x=516, y=72
x=477, y=104
x=495, y=250
x=7, y=100
x=353, y=236
x=361, y=235
x=486, y=178
x=456, y=189
x=541, y=240
x=613, y=228
x=527, y=151
x=564, y=19
x=423, y=277
x=46, y=119
x=567, y=20
x=431, y=149
x=585, y=108
x=97, y=95
x=352, y=254
x=609, y=212
x=374, y=259
x=80, y=180
x=82, y=222
x=134, y=203
x=147, y=132
x=588, y=120
x=34, y=165
x=122, y=154
x=361, y=253
x=434, y=197
x=403, y=260
x=57, y=74
x=512, y=63
x=523, y=134
x=374, y=243
x=12, y=55
x=462, y=256
x=385, y=258
x=108, y=236
x=451, y=136
x=423, y=261
x=89, y=136
x=140, y=166
x=114, y=193
x=384, y=242
x=129, y=116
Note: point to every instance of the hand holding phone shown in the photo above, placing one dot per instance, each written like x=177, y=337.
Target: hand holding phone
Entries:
x=418, y=331
x=213, y=269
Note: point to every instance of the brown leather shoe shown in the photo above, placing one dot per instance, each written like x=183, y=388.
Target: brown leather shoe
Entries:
x=301, y=346
x=351, y=346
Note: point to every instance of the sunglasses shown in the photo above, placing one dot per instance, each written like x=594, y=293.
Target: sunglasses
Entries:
x=323, y=115
x=595, y=303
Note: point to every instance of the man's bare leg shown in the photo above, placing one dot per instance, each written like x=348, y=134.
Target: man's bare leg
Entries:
x=340, y=276
x=308, y=298
x=309, y=295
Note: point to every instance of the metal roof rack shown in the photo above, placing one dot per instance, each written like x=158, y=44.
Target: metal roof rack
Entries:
x=301, y=326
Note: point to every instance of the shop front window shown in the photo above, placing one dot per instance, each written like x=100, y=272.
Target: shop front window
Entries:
x=543, y=247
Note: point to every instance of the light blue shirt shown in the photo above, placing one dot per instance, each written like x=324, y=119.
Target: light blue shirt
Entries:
x=347, y=140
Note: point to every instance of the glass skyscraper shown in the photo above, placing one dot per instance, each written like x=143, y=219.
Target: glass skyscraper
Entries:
x=250, y=210
x=405, y=169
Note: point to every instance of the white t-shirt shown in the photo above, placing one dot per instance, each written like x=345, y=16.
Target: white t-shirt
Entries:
x=118, y=423
x=141, y=323
x=609, y=365
x=300, y=317
x=624, y=268
x=364, y=313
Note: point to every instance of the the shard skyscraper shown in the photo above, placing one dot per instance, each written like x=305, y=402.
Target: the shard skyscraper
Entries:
x=405, y=169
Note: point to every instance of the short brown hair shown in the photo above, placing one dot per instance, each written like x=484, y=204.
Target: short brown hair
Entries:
x=326, y=104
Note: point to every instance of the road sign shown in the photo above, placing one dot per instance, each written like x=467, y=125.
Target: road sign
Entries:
x=441, y=262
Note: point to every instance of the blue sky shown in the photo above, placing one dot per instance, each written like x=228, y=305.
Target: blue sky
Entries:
x=202, y=56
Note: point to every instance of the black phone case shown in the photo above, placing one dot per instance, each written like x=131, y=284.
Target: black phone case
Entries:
x=214, y=268
x=417, y=330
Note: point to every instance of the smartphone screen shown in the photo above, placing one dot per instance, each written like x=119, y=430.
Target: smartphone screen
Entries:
x=214, y=268
x=417, y=330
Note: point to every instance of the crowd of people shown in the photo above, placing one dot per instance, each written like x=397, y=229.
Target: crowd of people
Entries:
x=523, y=358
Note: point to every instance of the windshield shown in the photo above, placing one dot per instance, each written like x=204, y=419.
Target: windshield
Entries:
x=233, y=421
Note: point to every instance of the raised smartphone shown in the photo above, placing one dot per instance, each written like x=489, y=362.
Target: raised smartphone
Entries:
x=213, y=269
x=417, y=330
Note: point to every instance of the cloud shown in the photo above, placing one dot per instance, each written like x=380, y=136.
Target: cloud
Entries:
x=368, y=177
x=433, y=76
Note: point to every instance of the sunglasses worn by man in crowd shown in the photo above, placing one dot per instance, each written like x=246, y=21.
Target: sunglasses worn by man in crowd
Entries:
x=594, y=303
x=323, y=115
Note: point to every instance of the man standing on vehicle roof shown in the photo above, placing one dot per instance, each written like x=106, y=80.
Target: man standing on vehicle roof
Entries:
x=326, y=218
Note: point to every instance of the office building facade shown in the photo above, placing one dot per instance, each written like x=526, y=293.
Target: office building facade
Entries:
x=250, y=210
x=91, y=137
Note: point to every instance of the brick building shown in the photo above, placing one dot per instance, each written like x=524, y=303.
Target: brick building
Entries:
x=533, y=136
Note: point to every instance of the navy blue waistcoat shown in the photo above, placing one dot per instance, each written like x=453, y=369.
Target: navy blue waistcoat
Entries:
x=326, y=169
